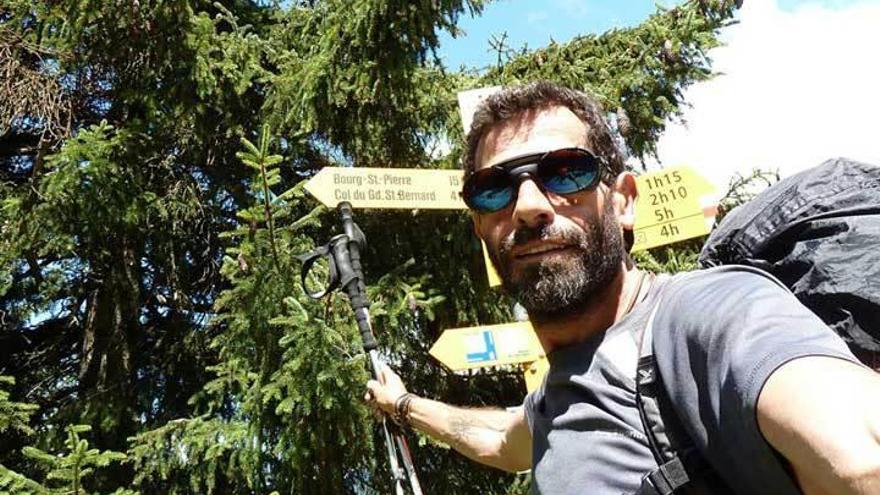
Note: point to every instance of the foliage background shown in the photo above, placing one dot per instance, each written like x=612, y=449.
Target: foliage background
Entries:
x=153, y=333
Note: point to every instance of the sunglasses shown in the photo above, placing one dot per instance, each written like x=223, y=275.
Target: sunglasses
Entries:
x=562, y=171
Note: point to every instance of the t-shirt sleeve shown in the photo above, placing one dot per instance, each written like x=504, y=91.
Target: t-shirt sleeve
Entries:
x=528, y=405
x=718, y=336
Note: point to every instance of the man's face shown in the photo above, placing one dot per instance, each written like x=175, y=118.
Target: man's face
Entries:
x=554, y=253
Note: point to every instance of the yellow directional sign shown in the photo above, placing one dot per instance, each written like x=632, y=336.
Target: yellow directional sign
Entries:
x=494, y=345
x=406, y=188
x=494, y=278
x=674, y=204
x=534, y=373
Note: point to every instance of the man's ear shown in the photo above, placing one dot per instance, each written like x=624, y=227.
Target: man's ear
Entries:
x=623, y=195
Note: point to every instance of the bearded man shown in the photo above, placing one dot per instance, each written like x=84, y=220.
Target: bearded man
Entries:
x=769, y=395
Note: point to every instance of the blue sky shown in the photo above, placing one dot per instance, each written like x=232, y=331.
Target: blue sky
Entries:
x=535, y=22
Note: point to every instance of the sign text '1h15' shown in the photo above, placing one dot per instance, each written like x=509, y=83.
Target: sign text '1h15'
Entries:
x=674, y=204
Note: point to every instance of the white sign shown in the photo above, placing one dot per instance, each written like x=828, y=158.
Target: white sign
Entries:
x=468, y=102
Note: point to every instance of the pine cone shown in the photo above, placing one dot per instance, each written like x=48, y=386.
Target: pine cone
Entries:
x=669, y=55
x=242, y=263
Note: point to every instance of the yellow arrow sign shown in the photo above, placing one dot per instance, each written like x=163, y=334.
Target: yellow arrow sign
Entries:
x=404, y=188
x=494, y=345
x=674, y=204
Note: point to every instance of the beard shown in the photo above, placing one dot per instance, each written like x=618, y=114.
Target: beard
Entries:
x=566, y=283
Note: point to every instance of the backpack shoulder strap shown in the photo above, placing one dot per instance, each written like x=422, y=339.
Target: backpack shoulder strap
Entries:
x=679, y=462
x=682, y=468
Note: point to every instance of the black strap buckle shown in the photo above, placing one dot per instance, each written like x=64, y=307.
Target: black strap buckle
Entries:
x=666, y=479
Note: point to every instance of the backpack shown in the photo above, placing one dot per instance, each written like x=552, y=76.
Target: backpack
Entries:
x=817, y=232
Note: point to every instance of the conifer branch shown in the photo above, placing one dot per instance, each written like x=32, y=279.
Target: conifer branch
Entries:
x=264, y=145
x=260, y=160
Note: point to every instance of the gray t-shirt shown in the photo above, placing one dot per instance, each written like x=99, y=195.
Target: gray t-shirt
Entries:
x=718, y=335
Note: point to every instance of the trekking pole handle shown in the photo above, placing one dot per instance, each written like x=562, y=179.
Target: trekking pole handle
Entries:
x=347, y=254
x=357, y=241
x=351, y=284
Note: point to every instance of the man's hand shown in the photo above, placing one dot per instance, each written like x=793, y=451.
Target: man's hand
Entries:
x=384, y=392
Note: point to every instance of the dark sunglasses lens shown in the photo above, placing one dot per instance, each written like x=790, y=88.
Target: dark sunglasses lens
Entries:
x=488, y=191
x=566, y=172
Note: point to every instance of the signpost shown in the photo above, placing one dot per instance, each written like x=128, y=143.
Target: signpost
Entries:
x=468, y=102
x=482, y=347
x=494, y=278
x=674, y=204
x=405, y=188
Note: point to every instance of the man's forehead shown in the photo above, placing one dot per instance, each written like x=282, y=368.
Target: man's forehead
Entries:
x=532, y=131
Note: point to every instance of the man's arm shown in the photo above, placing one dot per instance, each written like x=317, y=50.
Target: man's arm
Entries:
x=823, y=415
x=495, y=437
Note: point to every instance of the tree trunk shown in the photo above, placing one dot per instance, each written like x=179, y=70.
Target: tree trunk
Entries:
x=110, y=335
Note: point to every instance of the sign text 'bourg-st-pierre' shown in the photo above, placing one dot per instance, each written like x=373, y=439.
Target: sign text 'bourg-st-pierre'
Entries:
x=402, y=188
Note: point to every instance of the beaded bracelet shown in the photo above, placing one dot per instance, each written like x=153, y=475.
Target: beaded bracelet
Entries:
x=402, y=408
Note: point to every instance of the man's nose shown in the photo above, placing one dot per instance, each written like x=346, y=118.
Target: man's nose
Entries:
x=532, y=207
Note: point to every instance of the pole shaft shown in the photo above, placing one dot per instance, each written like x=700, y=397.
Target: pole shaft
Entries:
x=348, y=261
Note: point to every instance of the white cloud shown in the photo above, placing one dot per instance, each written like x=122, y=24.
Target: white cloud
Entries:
x=536, y=16
x=572, y=7
x=797, y=88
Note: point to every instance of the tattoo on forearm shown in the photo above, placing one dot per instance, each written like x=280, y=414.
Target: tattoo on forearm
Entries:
x=462, y=427
x=467, y=426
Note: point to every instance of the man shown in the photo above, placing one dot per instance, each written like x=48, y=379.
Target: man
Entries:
x=771, y=397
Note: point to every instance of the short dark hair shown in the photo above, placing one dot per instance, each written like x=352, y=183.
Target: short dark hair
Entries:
x=513, y=101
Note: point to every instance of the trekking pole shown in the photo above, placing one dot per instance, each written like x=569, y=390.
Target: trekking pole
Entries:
x=343, y=254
